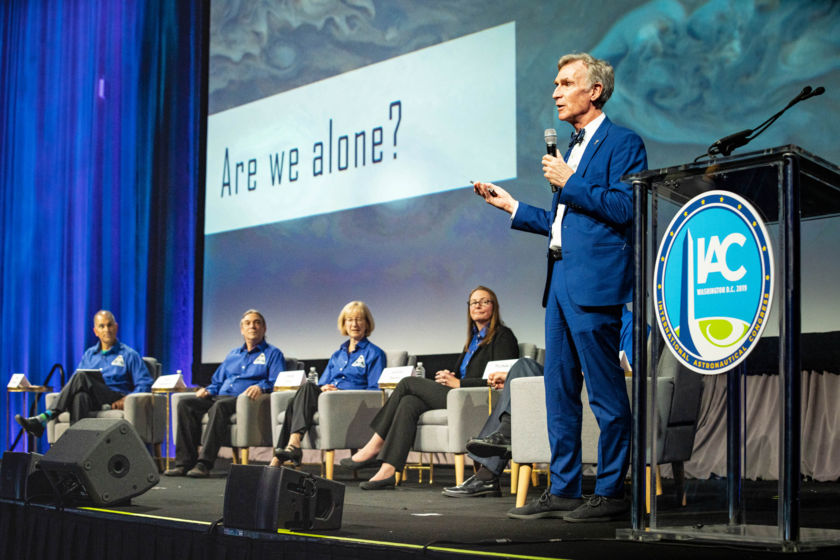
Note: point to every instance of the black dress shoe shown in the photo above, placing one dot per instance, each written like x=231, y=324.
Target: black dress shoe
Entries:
x=200, y=470
x=384, y=484
x=353, y=465
x=474, y=487
x=289, y=454
x=495, y=445
x=32, y=425
x=176, y=471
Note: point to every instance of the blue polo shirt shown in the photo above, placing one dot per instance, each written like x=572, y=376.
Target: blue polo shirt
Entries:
x=478, y=336
x=357, y=370
x=242, y=368
x=122, y=367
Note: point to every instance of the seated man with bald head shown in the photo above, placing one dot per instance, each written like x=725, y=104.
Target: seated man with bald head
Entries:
x=123, y=372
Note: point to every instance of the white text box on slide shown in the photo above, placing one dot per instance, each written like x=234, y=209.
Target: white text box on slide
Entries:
x=424, y=122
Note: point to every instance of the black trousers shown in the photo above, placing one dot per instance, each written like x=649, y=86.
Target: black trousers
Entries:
x=299, y=412
x=190, y=412
x=523, y=367
x=396, y=422
x=82, y=394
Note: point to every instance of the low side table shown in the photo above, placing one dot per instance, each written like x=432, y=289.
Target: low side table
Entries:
x=168, y=393
x=25, y=391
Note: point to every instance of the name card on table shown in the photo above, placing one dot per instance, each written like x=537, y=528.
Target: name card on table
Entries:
x=173, y=382
x=18, y=381
x=392, y=375
x=498, y=365
x=287, y=380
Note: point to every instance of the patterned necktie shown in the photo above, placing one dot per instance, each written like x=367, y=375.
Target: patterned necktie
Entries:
x=577, y=137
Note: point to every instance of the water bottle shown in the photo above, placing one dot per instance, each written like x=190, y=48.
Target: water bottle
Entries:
x=419, y=371
x=312, y=376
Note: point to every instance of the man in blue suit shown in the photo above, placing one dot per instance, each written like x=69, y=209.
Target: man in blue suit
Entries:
x=590, y=276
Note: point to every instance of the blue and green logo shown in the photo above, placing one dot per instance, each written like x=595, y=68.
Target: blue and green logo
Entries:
x=713, y=282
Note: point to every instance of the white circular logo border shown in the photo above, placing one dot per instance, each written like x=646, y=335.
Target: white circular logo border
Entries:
x=745, y=211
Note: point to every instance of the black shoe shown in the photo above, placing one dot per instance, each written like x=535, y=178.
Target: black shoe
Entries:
x=474, y=487
x=597, y=509
x=548, y=505
x=385, y=484
x=200, y=470
x=176, y=471
x=495, y=445
x=32, y=425
x=353, y=465
x=289, y=454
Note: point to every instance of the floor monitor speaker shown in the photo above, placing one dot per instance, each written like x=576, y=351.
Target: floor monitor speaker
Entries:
x=100, y=460
x=269, y=498
x=21, y=478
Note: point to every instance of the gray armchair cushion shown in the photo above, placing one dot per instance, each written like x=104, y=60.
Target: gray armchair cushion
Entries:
x=396, y=358
x=529, y=441
x=342, y=421
x=529, y=434
x=527, y=350
x=250, y=425
x=448, y=430
x=344, y=418
x=145, y=411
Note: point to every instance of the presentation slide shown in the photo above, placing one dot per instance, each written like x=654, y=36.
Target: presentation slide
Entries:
x=342, y=138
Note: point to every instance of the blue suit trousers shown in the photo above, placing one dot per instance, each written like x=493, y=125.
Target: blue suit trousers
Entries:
x=584, y=339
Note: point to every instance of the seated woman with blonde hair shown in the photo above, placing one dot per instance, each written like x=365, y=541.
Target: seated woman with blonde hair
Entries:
x=394, y=427
x=357, y=364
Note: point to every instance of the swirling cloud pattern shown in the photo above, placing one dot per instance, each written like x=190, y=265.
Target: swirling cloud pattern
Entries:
x=686, y=75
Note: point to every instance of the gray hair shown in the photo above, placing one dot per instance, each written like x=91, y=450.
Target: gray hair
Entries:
x=597, y=72
x=252, y=312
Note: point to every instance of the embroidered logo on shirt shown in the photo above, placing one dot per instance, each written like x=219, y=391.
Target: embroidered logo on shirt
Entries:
x=118, y=361
x=360, y=362
x=260, y=359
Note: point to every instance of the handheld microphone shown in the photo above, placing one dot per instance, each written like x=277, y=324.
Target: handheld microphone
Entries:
x=551, y=141
x=551, y=148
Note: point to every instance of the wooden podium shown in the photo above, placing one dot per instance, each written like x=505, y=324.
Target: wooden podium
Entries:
x=786, y=185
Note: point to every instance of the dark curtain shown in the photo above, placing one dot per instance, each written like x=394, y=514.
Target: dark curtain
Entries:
x=100, y=135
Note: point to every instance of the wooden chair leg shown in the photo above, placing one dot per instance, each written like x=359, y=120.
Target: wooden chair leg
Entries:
x=459, y=469
x=235, y=453
x=524, y=481
x=157, y=454
x=535, y=476
x=243, y=455
x=652, y=478
x=329, y=463
x=514, y=476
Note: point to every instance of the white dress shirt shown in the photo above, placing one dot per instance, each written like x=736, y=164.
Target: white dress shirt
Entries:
x=573, y=161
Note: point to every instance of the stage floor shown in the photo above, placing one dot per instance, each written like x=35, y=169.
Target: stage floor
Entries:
x=416, y=515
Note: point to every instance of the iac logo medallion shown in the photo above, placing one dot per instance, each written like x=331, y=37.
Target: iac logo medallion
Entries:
x=713, y=282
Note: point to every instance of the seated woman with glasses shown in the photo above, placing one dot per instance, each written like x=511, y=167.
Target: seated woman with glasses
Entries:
x=394, y=427
x=357, y=364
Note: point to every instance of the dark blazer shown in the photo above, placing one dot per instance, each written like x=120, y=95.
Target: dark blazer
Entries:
x=597, y=225
x=504, y=346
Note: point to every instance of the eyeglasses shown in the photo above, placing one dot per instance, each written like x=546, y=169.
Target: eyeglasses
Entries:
x=477, y=302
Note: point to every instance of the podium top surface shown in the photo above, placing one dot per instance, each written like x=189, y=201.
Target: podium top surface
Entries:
x=751, y=174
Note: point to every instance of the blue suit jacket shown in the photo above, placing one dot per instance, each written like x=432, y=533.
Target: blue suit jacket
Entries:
x=597, y=225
